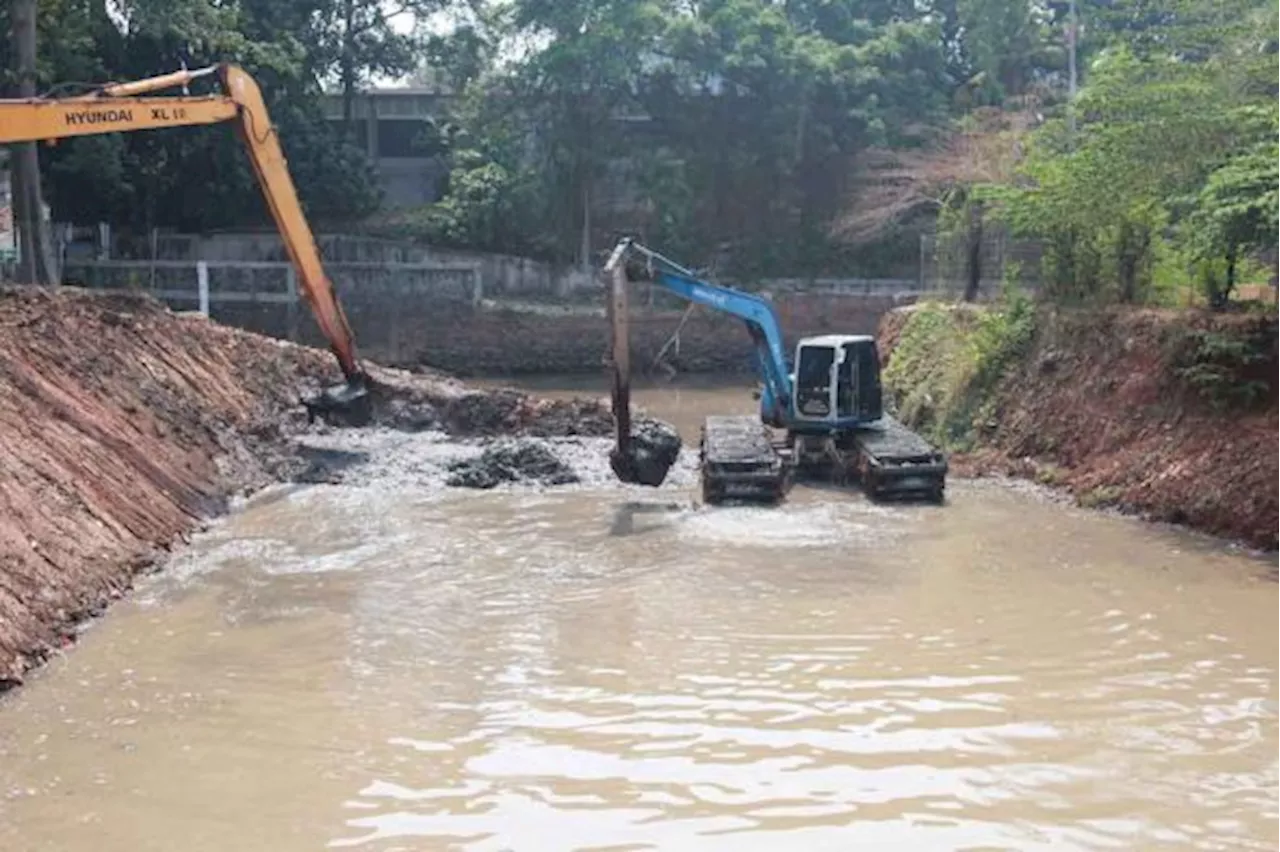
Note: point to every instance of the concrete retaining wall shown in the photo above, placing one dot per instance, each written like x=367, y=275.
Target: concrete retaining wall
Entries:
x=473, y=341
x=408, y=314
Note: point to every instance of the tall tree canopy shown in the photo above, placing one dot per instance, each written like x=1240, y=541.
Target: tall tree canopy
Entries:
x=721, y=126
x=146, y=179
x=1172, y=162
x=740, y=133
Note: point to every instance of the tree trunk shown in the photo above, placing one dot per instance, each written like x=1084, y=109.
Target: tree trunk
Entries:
x=1128, y=262
x=584, y=257
x=38, y=264
x=347, y=66
x=973, y=284
x=1224, y=298
x=1216, y=290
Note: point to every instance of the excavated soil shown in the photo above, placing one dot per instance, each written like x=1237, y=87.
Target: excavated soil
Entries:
x=515, y=461
x=1101, y=406
x=126, y=425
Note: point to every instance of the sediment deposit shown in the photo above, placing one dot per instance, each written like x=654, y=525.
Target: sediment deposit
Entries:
x=126, y=425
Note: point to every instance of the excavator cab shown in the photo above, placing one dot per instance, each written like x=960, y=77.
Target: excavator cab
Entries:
x=836, y=381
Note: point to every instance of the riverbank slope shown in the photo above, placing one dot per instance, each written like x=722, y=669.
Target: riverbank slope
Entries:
x=126, y=425
x=1168, y=414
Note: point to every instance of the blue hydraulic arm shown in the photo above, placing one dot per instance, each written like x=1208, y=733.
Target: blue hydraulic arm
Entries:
x=755, y=311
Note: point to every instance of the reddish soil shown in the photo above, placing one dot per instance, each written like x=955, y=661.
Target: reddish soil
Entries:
x=1098, y=408
x=125, y=425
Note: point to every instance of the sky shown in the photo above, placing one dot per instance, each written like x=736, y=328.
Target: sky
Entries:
x=438, y=24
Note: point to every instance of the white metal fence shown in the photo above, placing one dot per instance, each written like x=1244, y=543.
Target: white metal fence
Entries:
x=386, y=303
x=894, y=288
x=381, y=300
x=210, y=282
x=847, y=286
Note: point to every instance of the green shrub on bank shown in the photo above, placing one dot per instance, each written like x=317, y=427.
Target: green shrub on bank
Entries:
x=1002, y=336
x=948, y=362
x=1233, y=370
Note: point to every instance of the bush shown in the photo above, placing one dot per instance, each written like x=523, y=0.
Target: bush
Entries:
x=948, y=363
x=1229, y=368
x=1002, y=336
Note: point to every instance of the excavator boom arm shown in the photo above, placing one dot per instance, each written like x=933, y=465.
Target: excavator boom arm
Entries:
x=266, y=155
x=120, y=107
x=755, y=311
x=25, y=121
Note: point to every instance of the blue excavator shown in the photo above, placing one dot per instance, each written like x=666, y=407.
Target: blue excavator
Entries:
x=826, y=401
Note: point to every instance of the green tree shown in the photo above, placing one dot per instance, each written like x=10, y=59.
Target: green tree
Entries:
x=142, y=180
x=733, y=121
x=1176, y=114
x=38, y=264
x=573, y=89
x=354, y=40
x=1008, y=43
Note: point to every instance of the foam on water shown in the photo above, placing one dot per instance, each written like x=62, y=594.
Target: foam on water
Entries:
x=789, y=525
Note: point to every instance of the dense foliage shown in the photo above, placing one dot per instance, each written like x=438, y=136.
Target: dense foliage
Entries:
x=737, y=133
x=721, y=130
x=199, y=178
x=1170, y=172
x=948, y=362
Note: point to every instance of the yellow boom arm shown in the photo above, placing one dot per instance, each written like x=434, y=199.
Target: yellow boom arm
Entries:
x=118, y=107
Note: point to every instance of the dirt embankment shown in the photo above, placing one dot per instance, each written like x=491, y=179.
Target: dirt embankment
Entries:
x=125, y=425
x=1167, y=414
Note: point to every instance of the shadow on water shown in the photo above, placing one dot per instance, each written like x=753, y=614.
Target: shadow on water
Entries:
x=852, y=490
x=324, y=465
x=624, y=519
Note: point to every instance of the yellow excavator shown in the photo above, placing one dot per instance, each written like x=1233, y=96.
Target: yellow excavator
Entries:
x=123, y=107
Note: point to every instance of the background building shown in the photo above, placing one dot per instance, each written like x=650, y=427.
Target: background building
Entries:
x=396, y=127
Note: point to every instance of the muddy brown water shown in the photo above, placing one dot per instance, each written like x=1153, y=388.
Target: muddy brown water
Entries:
x=390, y=668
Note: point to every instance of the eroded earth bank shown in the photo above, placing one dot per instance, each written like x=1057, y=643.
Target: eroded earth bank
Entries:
x=1170, y=415
x=126, y=425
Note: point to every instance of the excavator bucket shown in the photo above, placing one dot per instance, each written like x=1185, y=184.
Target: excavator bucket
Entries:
x=644, y=451
x=653, y=449
x=349, y=404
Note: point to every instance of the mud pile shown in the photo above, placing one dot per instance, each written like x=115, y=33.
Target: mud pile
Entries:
x=125, y=425
x=515, y=461
x=421, y=401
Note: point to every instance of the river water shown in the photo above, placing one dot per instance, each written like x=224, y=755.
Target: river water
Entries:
x=390, y=667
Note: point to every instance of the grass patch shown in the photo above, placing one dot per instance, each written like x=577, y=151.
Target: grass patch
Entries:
x=949, y=361
x=1101, y=497
x=1048, y=474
